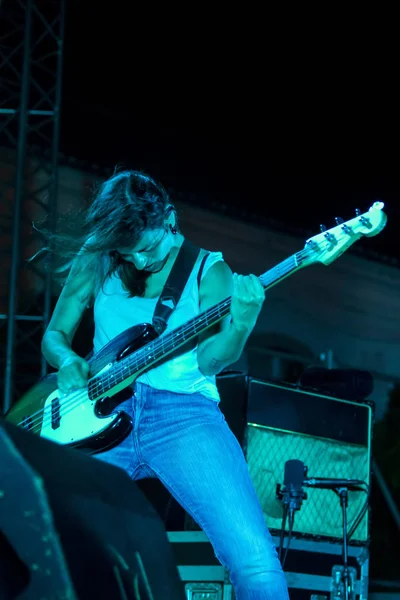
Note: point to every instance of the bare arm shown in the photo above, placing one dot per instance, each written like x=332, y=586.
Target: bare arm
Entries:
x=56, y=348
x=223, y=344
x=68, y=313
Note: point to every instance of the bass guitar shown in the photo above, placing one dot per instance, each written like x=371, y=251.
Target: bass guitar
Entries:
x=88, y=418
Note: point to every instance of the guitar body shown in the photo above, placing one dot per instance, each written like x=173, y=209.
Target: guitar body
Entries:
x=75, y=419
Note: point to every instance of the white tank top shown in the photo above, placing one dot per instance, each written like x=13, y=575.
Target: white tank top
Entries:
x=114, y=312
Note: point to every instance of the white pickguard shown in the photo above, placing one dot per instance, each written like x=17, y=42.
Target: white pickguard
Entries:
x=78, y=420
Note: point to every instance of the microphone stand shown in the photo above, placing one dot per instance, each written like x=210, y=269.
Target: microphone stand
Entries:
x=341, y=488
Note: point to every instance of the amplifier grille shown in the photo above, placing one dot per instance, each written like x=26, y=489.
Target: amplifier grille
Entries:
x=268, y=449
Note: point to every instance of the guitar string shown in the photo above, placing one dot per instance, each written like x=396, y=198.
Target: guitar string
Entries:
x=74, y=399
x=118, y=374
x=36, y=422
x=159, y=345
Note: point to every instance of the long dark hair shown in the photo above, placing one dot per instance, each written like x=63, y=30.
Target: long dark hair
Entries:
x=124, y=206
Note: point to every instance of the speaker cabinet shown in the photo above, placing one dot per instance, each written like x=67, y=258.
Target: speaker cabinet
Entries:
x=331, y=436
x=74, y=527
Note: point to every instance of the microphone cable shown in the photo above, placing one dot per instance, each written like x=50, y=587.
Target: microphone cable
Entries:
x=291, y=523
x=282, y=533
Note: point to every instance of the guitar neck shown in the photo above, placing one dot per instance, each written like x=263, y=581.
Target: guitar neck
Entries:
x=153, y=352
x=324, y=248
x=216, y=313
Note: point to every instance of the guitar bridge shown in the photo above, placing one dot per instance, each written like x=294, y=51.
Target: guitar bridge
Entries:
x=55, y=413
x=27, y=423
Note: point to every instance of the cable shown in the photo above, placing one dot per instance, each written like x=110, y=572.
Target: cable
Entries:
x=291, y=523
x=284, y=517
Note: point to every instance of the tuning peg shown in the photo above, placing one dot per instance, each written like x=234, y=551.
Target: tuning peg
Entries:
x=358, y=212
x=339, y=220
x=322, y=228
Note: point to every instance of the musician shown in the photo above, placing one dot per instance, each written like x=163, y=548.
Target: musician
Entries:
x=129, y=243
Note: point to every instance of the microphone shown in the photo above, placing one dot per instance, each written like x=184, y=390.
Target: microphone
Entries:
x=292, y=493
x=329, y=484
x=293, y=480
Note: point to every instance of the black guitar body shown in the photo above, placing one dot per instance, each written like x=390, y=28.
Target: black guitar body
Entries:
x=24, y=412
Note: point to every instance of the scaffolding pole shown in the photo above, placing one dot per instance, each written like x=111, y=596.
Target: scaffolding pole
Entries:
x=31, y=54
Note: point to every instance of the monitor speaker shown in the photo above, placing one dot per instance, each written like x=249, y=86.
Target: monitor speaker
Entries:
x=72, y=527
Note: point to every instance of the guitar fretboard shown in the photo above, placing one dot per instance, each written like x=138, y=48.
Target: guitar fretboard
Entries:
x=167, y=343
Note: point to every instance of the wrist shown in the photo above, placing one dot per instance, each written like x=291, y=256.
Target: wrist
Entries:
x=66, y=357
x=240, y=328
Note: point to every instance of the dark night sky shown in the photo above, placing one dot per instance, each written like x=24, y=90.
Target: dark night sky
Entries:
x=243, y=121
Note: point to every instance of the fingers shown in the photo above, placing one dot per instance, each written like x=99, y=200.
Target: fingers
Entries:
x=85, y=368
x=256, y=286
x=248, y=288
x=240, y=289
x=73, y=377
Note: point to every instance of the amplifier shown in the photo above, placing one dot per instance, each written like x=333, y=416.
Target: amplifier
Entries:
x=331, y=436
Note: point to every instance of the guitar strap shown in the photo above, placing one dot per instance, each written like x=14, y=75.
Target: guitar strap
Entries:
x=175, y=284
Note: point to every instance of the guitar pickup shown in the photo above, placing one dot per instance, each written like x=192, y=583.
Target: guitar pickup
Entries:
x=55, y=413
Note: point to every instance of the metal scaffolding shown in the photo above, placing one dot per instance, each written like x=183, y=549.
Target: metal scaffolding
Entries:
x=31, y=52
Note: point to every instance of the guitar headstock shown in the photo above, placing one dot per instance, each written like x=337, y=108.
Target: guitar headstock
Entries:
x=328, y=245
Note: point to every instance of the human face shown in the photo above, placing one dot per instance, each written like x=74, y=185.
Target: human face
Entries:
x=151, y=252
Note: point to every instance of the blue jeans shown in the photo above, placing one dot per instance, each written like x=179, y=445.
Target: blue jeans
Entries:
x=184, y=441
